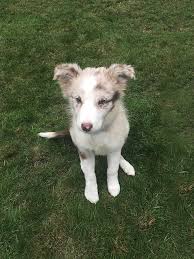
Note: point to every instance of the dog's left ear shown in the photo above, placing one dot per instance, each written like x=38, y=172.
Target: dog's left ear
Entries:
x=121, y=73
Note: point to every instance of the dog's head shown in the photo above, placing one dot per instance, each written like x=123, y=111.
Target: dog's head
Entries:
x=93, y=92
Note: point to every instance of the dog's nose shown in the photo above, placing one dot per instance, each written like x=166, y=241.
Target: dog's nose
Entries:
x=86, y=126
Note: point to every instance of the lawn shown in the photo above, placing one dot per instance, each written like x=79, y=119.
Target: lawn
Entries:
x=43, y=211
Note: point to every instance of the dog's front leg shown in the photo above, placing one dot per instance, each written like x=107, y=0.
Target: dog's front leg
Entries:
x=87, y=160
x=112, y=172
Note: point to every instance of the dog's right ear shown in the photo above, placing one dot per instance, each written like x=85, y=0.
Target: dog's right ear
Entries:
x=64, y=74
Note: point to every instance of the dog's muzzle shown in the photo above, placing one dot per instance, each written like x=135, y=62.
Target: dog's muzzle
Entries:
x=86, y=127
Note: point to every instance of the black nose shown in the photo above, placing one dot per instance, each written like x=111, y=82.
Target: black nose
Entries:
x=86, y=127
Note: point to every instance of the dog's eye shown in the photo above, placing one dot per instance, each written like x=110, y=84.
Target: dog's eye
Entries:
x=78, y=99
x=102, y=102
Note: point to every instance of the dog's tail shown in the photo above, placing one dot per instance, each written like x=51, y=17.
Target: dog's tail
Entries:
x=54, y=134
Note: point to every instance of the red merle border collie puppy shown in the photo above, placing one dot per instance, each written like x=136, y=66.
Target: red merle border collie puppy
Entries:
x=99, y=124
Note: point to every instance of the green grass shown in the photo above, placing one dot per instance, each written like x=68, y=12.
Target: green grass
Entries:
x=43, y=211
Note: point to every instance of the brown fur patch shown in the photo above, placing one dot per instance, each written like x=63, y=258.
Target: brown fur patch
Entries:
x=115, y=96
x=82, y=155
x=100, y=87
x=112, y=108
x=62, y=134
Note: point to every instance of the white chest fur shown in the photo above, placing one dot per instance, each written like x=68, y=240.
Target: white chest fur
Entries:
x=103, y=142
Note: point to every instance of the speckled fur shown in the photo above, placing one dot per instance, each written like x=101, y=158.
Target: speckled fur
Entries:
x=95, y=98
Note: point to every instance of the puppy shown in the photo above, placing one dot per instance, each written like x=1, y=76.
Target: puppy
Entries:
x=99, y=124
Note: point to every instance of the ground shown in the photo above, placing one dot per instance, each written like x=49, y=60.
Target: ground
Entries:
x=43, y=211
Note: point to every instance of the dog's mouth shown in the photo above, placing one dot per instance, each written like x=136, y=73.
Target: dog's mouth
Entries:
x=87, y=131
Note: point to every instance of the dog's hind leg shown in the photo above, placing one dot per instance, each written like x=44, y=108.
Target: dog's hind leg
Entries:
x=126, y=166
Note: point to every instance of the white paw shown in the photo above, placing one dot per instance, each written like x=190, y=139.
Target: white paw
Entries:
x=91, y=194
x=113, y=187
x=128, y=168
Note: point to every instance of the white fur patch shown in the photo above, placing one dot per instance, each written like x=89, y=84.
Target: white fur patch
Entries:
x=91, y=188
x=47, y=134
x=88, y=82
x=127, y=167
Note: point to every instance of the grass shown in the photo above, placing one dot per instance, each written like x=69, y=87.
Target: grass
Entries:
x=43, y=212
